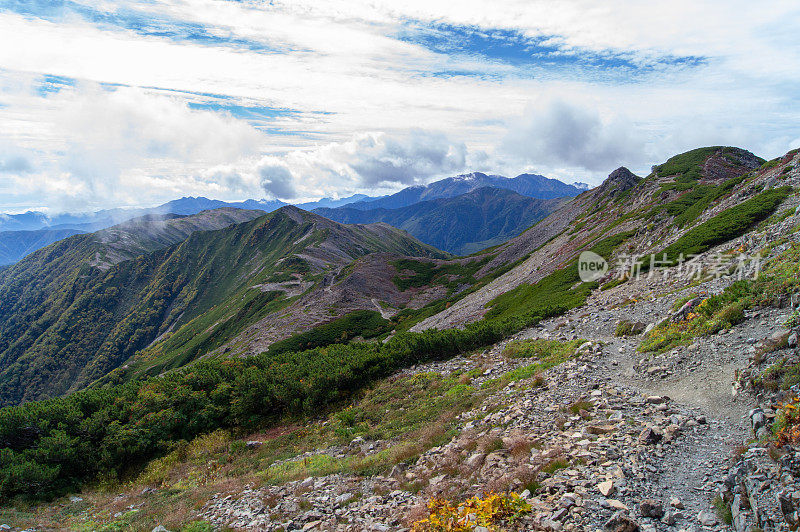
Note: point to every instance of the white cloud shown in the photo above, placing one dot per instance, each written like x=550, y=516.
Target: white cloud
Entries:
x=555, y=133
x=341, y=57
x=126, y=146
x=277, y=181
x=133, y=123
x=361, y=164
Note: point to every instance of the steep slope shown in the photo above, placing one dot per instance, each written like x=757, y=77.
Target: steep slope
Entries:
x=461, y=225
x=38, y=292
x=531, y=185
x=72, y=312
x=14, y=245
x=676, y=196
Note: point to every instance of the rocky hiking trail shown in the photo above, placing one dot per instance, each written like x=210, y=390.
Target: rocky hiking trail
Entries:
x=617, y=439
x=699, y=378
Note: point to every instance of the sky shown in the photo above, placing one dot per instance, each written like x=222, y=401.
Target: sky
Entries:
x=116, y=103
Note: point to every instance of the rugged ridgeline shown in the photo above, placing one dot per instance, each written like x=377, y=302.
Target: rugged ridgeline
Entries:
x=685, y=190
x=461, y=225
x=78, y=309
x=21, y=234
x=529, y=185
x=582, y=405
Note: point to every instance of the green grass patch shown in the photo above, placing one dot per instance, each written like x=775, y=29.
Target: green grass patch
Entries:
x=723, y=509
x=559, y=291
x=542, y=349
x=576, y=407
x=624, y=328
x=555, y=465
x=548, y=353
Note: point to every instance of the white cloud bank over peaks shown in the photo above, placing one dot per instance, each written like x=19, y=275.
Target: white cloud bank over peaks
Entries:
x=131, y=102
x=367, y=161
x=124, y=146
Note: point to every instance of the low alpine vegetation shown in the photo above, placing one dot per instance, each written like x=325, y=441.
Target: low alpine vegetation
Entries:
x=488, y=512
x=726, y=226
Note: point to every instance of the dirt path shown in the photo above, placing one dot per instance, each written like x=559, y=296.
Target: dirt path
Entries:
x=385, y=313
x=697, y=377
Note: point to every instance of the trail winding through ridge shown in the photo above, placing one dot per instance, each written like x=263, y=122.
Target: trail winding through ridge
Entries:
x=698, y=377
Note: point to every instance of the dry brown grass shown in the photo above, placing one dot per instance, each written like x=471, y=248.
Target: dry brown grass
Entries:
x=489, y=444
x=520, y=447
x=416, y=513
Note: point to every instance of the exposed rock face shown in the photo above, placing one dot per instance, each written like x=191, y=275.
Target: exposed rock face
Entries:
x=729, y=163
x=619, y=181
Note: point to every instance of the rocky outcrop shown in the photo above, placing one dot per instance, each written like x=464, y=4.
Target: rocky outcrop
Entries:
x=618, y=182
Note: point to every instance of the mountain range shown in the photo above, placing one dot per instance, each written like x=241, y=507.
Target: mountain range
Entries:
x=159, y=291
x=75, y=310
x=531, y=185
x=463, y=224
x=43, y=229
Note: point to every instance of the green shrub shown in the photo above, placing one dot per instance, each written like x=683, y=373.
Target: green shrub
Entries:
x=770, y=164
x=732, y=314
x=364, y=323
x=687, y=167
x=687, y=208
x=555, y=465
x=624, y=328
x=725, y=226
x=723, y=509
x=614, y=283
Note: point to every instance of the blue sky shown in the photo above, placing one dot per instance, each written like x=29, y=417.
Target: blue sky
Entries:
x=134, y=103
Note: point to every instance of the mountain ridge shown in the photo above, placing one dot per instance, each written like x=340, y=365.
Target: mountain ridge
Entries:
x=532, y=185
x=115, y=291
x=462, y=225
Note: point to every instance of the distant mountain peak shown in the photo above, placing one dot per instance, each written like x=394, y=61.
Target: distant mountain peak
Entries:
x=472, y=176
